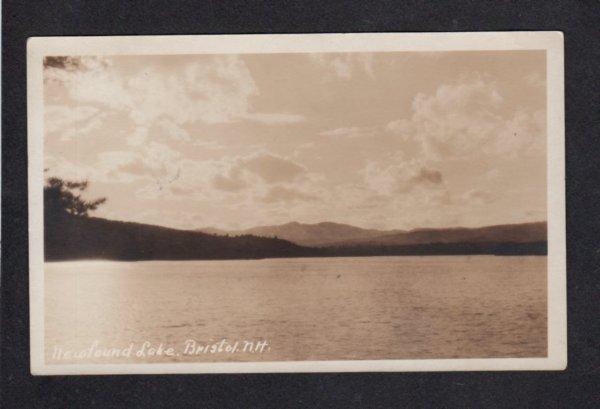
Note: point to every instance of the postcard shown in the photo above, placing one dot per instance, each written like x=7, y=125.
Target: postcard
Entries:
x=297, y=203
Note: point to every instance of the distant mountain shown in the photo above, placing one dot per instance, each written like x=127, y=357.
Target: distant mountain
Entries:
x=505, y=233
x=318, y=234
x=328, y=234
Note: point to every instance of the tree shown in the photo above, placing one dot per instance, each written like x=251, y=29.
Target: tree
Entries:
x=63, y=198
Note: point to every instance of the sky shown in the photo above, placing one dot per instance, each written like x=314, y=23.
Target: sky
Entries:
x=394, y=140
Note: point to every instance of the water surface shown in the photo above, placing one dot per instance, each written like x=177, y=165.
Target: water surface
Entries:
x=306, y=309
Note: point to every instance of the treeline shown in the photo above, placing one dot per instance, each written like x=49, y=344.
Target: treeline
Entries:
x=433, y=249
x=74, y=237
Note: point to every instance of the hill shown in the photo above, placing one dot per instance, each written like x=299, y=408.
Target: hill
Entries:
x=329, y=234
x=513, y=233
x=73, y=237
x=318, y=234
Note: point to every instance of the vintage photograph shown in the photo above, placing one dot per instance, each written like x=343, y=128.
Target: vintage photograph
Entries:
x=243, y=209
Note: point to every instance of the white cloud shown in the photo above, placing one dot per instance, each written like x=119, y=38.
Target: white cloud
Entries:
x=523, y=133
x=85, y=130
x=219, y=91
x=92, y=81
x=345, y=65
x=138, y=137
x=468, y=117
x=107, y=168
x=350, y=132
x=60, y=117
x=401, y=176
x=215, y=90
x=151, y=162
x=174, y=131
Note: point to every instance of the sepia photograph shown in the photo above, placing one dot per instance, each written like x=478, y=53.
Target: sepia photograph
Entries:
x=296, y=203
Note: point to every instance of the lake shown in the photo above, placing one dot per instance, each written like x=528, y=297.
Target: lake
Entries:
x=296, y=309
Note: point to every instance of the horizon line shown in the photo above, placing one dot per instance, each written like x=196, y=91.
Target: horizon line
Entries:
x=200, y=229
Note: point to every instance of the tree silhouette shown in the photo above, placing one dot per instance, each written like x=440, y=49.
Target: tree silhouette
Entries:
x=62, y=198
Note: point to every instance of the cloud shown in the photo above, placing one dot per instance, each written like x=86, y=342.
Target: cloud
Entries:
x=219, y=91
x=468, y=117
x=286, y=195
x=401, y=176
x=196, y=180
x=187, y=134
x=422, y=178
x=174, y=131
x=67, y=169
x=152, y=161
x=341, y=68
x=524, y=132
x=87, y=129
x=233, y=182
x=91, y=80
x=175, y=218
x=275, y=118
x=257, y=173
x=107, y=168
x=134, y=167
x=216, y=89
x=478, y=197
x=272, y=169
x=122, y=166
x=138, y=137
x=345, y=65
x=350, y=132
x=535, y=79
x=427, y=176
x=61, y=117
x=239, y=173
x=163, y=130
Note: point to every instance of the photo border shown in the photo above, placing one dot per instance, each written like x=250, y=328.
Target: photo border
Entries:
x=552, y=42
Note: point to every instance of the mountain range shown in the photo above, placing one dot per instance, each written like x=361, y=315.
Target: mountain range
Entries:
x=319, y=234
x=328, y=234
x=76, y=237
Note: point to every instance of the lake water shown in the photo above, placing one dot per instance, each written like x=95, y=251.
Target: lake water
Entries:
x=296, y=309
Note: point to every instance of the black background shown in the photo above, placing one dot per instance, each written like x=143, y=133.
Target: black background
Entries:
x=577, y=387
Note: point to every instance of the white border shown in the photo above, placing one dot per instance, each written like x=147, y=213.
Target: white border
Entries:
x=552, y=42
